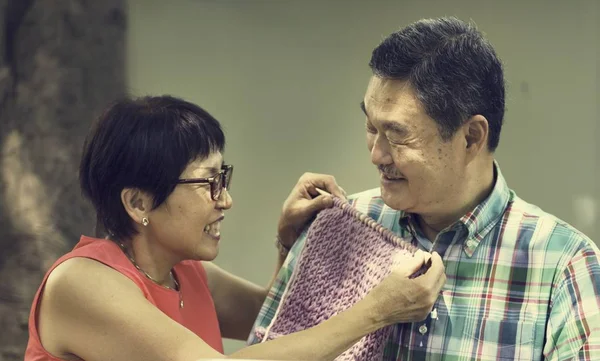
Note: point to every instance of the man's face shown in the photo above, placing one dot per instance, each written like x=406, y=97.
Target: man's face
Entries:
x=419, y=172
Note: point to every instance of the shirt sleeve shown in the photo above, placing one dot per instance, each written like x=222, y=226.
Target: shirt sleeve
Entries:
x=573, y=329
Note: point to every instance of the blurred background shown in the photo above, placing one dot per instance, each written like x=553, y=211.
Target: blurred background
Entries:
x=285, y=79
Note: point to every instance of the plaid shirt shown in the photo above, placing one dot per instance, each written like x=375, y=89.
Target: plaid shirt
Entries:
x=521, y=285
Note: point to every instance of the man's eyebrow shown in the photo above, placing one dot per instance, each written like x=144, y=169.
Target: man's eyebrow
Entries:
x=387, y=125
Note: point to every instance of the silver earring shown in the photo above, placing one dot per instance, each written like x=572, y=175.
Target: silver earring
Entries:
x=145, y=221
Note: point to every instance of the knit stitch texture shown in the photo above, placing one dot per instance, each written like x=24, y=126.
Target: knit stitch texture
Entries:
x=346, y=254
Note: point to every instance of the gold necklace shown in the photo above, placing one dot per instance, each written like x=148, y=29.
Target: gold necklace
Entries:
x=176, y=289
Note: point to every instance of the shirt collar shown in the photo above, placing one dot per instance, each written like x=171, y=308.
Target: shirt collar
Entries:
x=478, y=222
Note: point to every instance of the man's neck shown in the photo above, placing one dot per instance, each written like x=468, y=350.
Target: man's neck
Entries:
x=479, y=189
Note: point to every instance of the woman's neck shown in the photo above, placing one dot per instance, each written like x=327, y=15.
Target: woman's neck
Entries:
x=150, y=258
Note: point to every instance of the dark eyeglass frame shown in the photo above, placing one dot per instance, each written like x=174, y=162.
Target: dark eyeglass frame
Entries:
x=217, y=183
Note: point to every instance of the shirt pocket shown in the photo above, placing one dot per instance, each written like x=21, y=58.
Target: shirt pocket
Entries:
x=495, y=339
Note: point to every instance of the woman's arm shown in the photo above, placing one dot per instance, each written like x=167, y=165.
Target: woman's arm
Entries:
x=237, y=301
x=92, y=311
x=95, y=313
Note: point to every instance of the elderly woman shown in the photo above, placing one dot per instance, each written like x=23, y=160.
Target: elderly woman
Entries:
x=153, y=169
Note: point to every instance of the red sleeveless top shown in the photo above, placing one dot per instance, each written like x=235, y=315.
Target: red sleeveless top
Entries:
x=198, y=314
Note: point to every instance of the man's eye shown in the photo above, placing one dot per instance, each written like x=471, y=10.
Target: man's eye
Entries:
x=370, y=129
x=393, y=142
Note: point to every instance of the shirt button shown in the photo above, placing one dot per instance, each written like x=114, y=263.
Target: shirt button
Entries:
x=471, y=243
x=423, y=329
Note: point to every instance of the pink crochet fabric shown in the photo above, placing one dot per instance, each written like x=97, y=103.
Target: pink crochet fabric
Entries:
x=345, y=255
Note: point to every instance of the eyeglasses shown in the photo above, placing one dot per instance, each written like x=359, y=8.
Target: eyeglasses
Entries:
x=217, y=183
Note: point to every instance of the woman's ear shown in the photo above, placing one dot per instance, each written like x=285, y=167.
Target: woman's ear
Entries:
x=136, y=203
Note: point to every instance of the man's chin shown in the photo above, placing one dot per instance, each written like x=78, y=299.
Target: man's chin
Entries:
x=393, y=197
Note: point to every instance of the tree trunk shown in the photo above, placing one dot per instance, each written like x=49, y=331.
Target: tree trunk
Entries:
x=61, y=63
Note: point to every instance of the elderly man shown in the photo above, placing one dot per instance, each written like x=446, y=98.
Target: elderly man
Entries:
x=521, y=284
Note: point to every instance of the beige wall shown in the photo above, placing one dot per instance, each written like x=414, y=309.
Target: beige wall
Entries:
x=285, y=79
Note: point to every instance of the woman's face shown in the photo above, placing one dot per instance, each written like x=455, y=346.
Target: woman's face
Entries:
x=188, y=223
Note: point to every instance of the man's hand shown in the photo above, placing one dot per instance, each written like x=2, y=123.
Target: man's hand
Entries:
x=304, y=202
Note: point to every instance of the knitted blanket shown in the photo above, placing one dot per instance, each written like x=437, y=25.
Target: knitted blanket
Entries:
x=345, y=255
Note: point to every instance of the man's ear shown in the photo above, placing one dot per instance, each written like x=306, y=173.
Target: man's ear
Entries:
x=476, y=131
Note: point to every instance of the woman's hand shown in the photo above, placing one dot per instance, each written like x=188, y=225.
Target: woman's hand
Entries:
x=400, y=298
x=304, y=202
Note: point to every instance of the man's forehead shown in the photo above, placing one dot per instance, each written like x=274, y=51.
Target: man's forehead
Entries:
x=388, y=93
x=385, y=95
